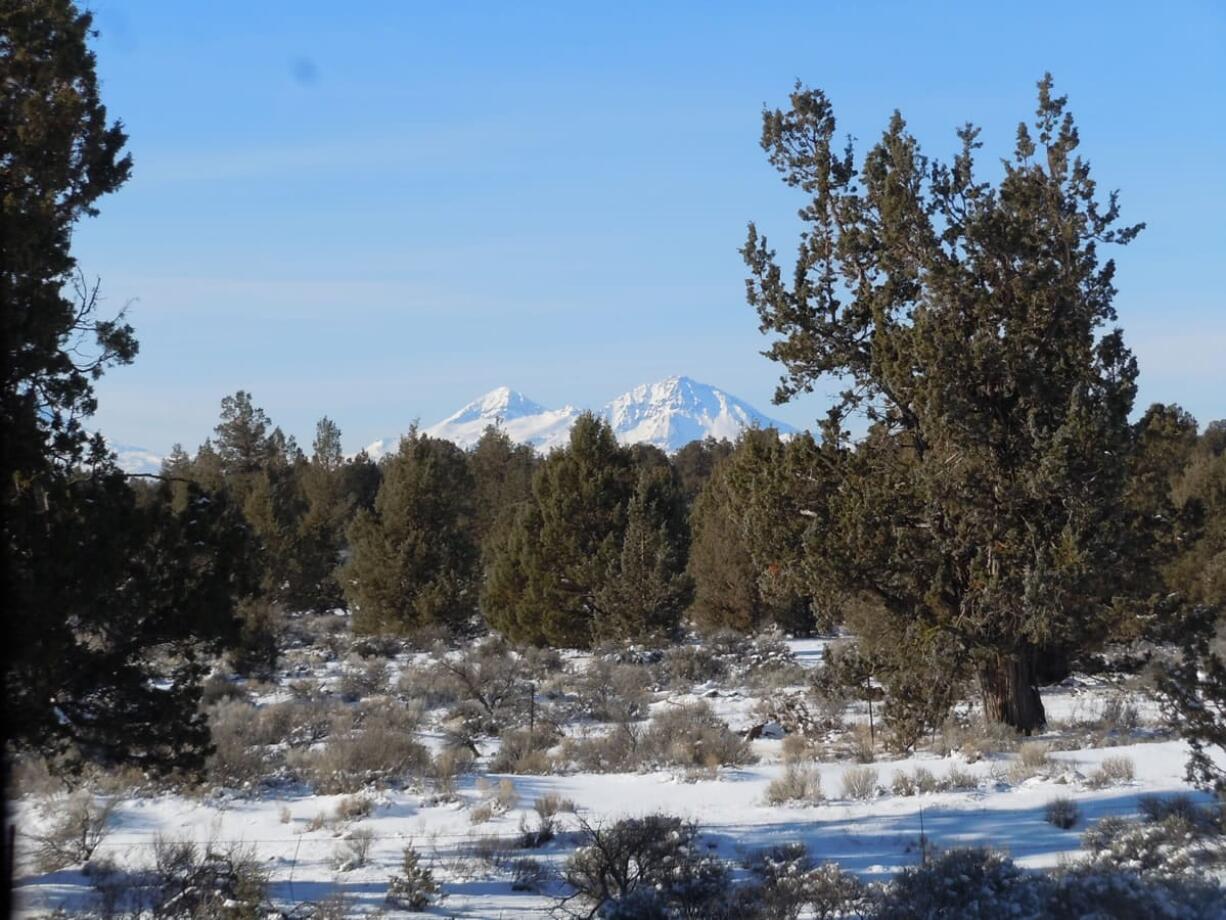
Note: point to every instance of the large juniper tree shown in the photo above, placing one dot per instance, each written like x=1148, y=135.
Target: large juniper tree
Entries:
x=969, y=321
x=413, y=560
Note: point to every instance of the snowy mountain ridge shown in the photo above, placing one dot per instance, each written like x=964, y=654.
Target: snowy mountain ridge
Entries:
x=668, y=414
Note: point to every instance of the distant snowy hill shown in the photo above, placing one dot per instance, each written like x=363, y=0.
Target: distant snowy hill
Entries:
x=668, y=414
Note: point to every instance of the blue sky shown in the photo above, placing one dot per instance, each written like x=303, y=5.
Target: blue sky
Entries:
x=377, y=211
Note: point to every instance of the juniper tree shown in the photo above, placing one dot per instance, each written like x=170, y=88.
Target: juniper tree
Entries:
x=747, y=554
x=413, y=562
x=328, y=507
x=970, y=322
x=112, y=595
x=646, y=590
x=550, y=564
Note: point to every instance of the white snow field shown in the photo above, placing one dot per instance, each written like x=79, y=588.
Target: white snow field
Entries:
x=283, y=824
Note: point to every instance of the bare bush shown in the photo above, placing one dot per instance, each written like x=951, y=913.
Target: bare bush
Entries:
x=77, y=825
x=960, y=780
x=683, y=666
x=859, y=783
x=656, y=859
x=191, y=882
x=238, y=758
x=354, y=850
x=611, y=692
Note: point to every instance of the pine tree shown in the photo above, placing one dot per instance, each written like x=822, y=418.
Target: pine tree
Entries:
x=550, y=564
x=414, y=562
x=968, y=321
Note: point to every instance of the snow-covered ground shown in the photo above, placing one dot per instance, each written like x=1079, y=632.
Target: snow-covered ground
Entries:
x=872, y=838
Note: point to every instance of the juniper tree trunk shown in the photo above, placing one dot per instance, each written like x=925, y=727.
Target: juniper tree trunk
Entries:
x=1010, y=694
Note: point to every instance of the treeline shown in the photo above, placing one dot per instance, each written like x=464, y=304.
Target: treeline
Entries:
x=599, y=542
x=594, y=542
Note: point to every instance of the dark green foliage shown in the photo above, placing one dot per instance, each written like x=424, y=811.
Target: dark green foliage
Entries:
x=646, y=591
x=695, y=462
x=598, y=551
x=747, y=558
x=328, y=509
x=502, y=483
x=141, y=595
x=549, y=565
x=968, y=321
x=413, y=561
x=112, y=594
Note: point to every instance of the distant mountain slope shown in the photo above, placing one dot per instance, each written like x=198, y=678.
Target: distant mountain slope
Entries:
x=669, y=414
x=673, y=412
x=524, y=421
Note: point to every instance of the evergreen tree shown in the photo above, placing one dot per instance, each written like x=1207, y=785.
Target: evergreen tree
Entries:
x=242, y=438
x=726, y=589
x=502, y=481
x=647, y=590
x=413, y=561
x=748, y=560
x=967, y=319
x=550, y=565
x=696, y=461
x=329, y=508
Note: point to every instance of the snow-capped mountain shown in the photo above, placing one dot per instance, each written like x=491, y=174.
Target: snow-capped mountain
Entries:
x=668, y=414
x=524, y=421
x=675, y=411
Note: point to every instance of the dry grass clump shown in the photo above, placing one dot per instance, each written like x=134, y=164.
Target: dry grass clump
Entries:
x=354, y=850
x=1113, y=771
x=863, y=747
x=797, y=749
x=859, y=783
x=523, y=751
x=1033, y=759
x=959, y=780
x=353, y=808
x=795, y=784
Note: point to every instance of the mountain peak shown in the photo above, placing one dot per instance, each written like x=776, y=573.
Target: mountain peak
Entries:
x=668, y=413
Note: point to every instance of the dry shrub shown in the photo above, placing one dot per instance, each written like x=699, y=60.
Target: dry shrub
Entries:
x=685, y=665
x=481, y=813
x=353, y=808
x=238, y=758
x=1113, y=771
x=362, y=679
x=611, y=692
x=76, y=826
x=375, y=754
x=354, y=850
x=615, y=751
x=862, y=746
x=525, y=752
x=795, y=784
x=903, y=784
x=449, y=765
x=691, y=735
x=859, y=783
x=1062, y=812
x=960, y=780
x=796, y=749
